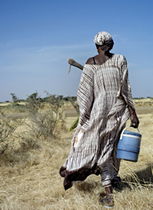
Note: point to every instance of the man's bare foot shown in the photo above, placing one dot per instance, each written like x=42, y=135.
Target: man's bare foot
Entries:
x=108, y=202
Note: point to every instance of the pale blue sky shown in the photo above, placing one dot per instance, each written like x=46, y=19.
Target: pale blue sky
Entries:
x=38, y=36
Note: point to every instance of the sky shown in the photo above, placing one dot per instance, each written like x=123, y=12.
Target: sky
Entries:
x=38, y=36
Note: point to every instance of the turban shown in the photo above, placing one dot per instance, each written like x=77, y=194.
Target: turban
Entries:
x=102, y=38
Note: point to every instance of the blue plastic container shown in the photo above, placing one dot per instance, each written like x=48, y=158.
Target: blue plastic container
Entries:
x=129, y=145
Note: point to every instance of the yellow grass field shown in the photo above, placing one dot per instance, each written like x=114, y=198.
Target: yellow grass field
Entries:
x=29, y=173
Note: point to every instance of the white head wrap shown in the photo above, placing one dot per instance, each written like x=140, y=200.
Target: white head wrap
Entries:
x=102, y=38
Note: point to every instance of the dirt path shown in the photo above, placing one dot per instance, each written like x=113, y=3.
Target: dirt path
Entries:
x=144, y=109
x=139, y=110
x=73, y=112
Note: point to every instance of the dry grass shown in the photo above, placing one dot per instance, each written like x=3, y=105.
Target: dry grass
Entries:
x=30, y=179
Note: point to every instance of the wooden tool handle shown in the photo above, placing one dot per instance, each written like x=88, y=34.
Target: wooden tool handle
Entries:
x=74, y=63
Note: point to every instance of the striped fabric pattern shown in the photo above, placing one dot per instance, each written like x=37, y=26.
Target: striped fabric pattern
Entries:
x=104, y=95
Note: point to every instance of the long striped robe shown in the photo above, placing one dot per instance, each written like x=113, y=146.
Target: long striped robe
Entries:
x=104, y=95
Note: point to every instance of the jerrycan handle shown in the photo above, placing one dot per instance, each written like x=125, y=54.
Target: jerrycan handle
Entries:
x=125, y=129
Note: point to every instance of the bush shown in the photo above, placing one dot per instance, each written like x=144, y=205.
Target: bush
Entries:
x=41, y=120
x=46, y=115
x=7, y=127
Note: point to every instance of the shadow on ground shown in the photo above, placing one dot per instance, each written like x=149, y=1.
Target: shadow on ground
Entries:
x=140, y=178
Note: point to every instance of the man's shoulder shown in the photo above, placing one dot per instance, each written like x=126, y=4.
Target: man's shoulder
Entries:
x=90, y=61
x=119, y=56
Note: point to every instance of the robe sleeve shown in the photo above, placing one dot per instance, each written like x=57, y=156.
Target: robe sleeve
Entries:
x=85, y=95
x=125, y=90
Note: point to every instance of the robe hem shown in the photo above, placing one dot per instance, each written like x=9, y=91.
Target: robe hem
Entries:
x=77, y=175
